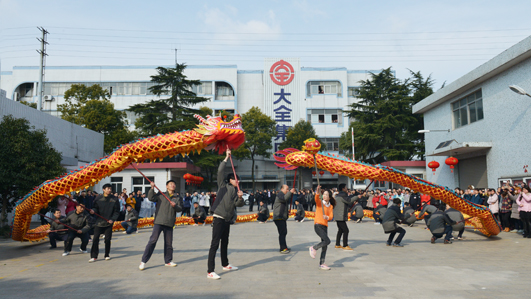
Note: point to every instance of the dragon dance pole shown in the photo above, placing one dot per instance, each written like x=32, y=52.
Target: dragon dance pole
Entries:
x=56, y=222
x=234, y=171
x=92, y=212
x=294, y=178
x=151, y=182
x=52, y=231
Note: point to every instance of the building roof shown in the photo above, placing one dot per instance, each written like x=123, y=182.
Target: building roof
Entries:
x=500, y=63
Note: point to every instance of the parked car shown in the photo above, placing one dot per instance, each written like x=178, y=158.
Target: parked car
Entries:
x=245, y=198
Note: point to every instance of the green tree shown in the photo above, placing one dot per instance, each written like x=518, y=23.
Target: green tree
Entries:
x=421, y=88
x=90, y=107
x=384, y=126
x=297, y=134
x=26, y=160
x=172, y=110
x=259, y=130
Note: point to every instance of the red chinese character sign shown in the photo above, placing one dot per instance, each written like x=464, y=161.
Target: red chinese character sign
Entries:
x=282, y=73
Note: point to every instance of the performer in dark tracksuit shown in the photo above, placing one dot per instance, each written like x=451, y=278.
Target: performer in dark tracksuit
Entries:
x=263, y=213
x=440, y=224
x=107, y=206
x=280, y=215
x=390, y=221
x=164, y=221
x=299, y=216
x=228, y=198
x=57, y=225
x=343, y=204
x=199, y=215
x=357, y=212
x=428, y=209
x=77, y=219
x=409, y=215
x=457, y=217
x=131, y=220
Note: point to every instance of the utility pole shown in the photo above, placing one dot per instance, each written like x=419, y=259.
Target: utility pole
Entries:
x=353, y=157
x=43, y=54
x=176, y=55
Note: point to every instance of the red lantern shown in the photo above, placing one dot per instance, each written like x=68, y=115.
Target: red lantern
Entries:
x=332, y=173
x=433, y=165
x=314, y=173
x=321, y=172
x=451, y=161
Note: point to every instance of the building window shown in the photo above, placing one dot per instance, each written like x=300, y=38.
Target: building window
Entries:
x=114, y=88
x=140, y=183
x=116, y=183
x=353, y=92
x=332, y=144
x=325, y=116
x=224, y=91
x=468, y=109
x=323, y=87
x=203, y=88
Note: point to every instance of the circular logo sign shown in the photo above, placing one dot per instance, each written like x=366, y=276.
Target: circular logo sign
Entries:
x=282, y=73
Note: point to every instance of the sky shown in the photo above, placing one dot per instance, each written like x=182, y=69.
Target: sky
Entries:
x=444, y=39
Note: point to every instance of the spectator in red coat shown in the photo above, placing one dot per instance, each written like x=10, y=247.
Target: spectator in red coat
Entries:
x=425, y=198
x=70, y=206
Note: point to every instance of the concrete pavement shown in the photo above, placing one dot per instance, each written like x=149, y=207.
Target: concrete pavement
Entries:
x=477, y=267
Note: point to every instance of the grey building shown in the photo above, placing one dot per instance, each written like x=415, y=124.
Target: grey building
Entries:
x=480, y=121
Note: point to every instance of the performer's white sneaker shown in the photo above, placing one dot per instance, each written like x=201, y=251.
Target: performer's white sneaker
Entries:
x=213, y=275
x=92, y=260
x=66, y=253
x=142, y=266
x=230, y=267
x=170, y=264
x=108, y=258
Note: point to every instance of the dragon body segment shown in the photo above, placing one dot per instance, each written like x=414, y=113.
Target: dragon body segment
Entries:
x=211, y=133
x=483, y=219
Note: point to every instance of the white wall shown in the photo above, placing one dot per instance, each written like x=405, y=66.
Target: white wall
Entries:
x=507, y=118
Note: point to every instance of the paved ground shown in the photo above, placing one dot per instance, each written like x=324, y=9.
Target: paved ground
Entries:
x=474, y=268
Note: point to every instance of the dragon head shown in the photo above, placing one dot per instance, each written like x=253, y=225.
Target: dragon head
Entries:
x=219, y=134
x=311, y=146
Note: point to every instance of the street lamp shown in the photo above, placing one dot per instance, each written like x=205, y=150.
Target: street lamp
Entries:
x=519, y=90
x=428, y=131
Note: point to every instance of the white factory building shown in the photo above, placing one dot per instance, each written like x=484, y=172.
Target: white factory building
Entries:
x=480, y=121
x=283, y=90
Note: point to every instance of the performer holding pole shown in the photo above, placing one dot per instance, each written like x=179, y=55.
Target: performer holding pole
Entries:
x=324, y=212
x=227, y=199
x=164, y=222
x=57, y=230
x=109, y=206
x=153, y=185
x=280, y=216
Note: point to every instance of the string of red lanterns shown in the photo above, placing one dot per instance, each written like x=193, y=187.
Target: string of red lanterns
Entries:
x=192, y=179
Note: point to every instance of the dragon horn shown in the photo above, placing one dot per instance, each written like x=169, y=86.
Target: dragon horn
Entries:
x=201, y=119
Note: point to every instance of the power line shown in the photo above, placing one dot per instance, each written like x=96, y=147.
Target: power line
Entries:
x=288, y=40
x=293, y=33
x=254, y=60
x=247, y=55
x=284, y=51
x=278, y=45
